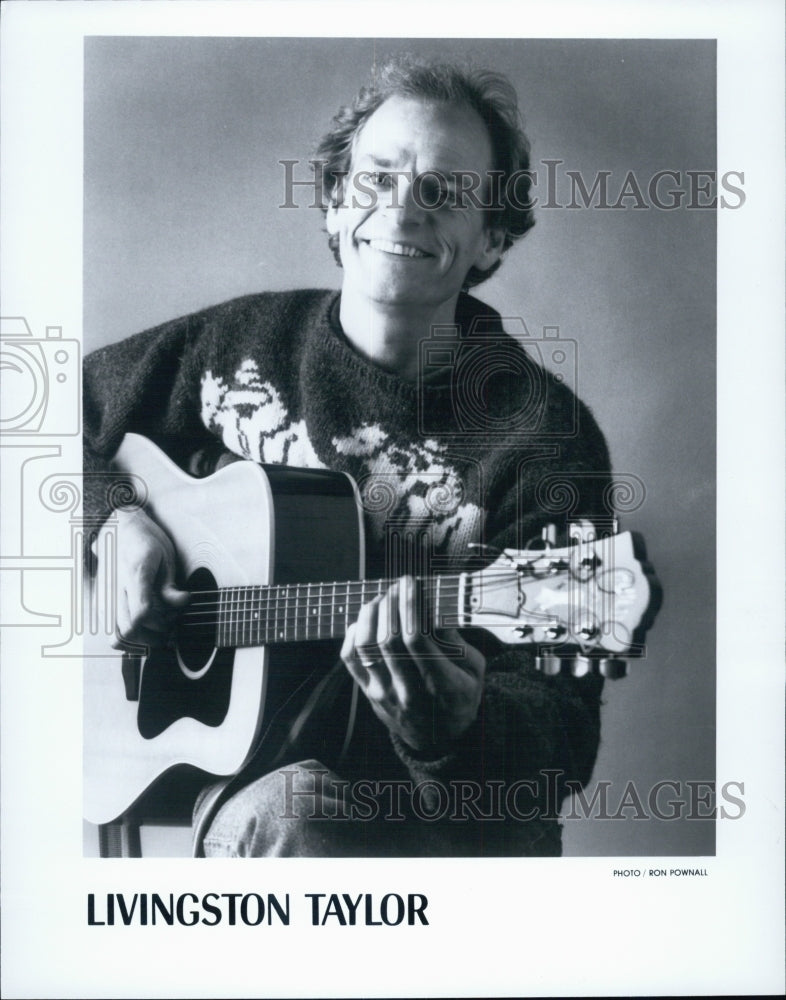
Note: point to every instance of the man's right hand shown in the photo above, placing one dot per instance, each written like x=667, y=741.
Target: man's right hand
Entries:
x=148, y=600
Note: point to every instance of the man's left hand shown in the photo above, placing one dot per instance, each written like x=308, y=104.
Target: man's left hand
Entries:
x=421, y=693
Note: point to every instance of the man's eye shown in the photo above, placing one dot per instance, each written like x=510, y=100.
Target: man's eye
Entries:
x=434, y=190
x=379, y=178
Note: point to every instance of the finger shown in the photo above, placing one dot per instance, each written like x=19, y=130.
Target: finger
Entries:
x=146, y=611
x=160, y=579
x=365, y=631
x=351, y=658
x=174, y=596
x=133, y=633
x=443, y=659
x=416, y=642
x=367, y=654
x=404, y=674
x=361, y=665
x=388, y=625
x=141, y=641
x=170, y=593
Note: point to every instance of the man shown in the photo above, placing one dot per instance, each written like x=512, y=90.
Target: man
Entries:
x=419, y=208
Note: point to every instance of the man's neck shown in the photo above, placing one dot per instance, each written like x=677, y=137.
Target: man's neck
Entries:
x=390, y=336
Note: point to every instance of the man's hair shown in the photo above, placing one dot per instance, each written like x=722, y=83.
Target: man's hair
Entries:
x=489, y=94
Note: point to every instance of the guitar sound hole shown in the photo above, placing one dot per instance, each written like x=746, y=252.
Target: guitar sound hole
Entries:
x=189, y=678
x=195, y=637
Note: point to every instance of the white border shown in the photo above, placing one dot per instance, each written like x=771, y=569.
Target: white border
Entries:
x=568, y=929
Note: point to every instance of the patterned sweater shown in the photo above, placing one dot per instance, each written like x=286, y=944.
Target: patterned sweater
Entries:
x=483, y=448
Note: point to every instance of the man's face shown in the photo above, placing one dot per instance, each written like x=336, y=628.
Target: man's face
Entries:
x=395, y=250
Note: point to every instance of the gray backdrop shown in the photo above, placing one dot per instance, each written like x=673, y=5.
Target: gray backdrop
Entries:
x=182, y=187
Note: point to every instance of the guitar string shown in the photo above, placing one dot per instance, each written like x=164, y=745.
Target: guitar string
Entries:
x=301, y=604
x=261, y=593
x=275, y=616
x=285, y=611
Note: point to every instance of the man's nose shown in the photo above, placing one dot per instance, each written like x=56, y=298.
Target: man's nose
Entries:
x=404, y=200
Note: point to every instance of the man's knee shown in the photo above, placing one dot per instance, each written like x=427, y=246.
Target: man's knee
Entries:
x=273, y=815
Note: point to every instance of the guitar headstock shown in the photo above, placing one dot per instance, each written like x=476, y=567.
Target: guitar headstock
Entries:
x=587, y=602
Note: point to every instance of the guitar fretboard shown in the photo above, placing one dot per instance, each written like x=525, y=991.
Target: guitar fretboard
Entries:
x=302, y=612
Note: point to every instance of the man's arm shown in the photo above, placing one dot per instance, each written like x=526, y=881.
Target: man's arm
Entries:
x=511, y=723
x=145, y=384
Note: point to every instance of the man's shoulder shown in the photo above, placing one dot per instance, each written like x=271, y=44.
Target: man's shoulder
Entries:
x=263, y=308
x=245, y=316
x=526, y=376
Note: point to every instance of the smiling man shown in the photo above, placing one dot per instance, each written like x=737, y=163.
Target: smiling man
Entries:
x=460, y=747
x=406, y=257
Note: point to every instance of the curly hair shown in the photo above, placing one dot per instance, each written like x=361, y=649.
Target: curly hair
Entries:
x=488, y=93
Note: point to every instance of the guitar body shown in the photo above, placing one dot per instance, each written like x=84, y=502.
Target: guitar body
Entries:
x=191, y=703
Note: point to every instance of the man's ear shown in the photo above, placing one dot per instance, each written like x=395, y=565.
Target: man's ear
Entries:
x=331, y=218
x=491, y=249
x=335, y=204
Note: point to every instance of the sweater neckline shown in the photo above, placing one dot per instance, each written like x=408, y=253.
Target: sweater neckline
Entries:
x=338, y=343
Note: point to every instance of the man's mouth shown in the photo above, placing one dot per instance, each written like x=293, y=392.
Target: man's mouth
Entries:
x=397, y=249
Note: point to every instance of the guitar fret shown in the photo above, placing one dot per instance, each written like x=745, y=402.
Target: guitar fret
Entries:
x=249, y=616
x=243, y=596
x=256, y=615
x=293, y=619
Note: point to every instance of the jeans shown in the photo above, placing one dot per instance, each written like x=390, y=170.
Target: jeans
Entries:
x=306, y=810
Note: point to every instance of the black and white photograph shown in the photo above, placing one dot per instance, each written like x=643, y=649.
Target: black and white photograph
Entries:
x=472, y=464
x=388, y=509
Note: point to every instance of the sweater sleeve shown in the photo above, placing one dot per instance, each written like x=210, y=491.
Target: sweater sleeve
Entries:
x=531, y=727
x=147, y=384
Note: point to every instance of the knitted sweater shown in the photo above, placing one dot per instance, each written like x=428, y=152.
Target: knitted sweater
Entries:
x=465, y=454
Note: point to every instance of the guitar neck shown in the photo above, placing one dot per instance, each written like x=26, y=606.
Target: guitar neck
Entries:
x=302, y=612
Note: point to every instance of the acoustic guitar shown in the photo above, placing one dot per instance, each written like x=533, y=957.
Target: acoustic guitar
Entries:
x=273, y=558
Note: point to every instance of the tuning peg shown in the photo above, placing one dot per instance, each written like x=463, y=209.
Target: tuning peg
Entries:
x=549, y=665
x=613, y=668
x=580, y=666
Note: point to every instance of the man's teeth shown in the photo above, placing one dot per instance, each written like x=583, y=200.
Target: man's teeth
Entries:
x=397, y=248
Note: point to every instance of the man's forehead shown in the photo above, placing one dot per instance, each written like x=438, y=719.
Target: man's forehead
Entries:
x=452, y=136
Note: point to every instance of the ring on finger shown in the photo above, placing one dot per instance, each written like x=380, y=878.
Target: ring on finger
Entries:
x=366, y=657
